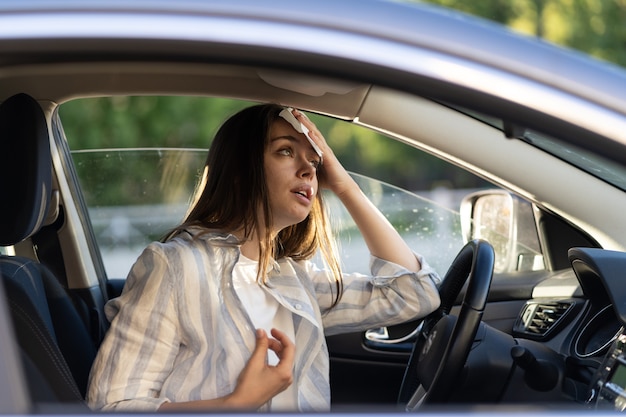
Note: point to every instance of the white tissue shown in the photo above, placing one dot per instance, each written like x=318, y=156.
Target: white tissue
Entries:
x=287, y=114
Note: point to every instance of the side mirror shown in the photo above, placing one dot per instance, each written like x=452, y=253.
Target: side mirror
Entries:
x=508, y=223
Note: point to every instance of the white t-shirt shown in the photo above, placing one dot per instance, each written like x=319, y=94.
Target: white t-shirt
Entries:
x=266, y=313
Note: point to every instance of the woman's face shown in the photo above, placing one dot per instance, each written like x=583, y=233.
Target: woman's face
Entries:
x=291, y=171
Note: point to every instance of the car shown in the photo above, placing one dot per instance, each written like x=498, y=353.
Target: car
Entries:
x=523, y=218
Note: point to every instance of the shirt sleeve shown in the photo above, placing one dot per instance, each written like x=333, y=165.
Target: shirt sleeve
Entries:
x=390, y=295
x=139, y=349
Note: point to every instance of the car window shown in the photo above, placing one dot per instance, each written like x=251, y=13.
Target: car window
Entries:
x=135, y=196
x=138, y=166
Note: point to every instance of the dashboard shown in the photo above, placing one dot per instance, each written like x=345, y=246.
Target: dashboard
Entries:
x=568, y=344
x=594, y=347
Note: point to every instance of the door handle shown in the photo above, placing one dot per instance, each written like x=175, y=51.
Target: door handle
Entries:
x=381, y=335
x=379, y=339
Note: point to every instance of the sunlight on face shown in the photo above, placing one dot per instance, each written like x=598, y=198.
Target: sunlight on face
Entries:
x=291, y=172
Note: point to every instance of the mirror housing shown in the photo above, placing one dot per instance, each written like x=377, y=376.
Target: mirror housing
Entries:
x=508, y=223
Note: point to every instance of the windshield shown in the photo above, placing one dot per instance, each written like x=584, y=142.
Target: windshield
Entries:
x=594, y=164
x=591, y=163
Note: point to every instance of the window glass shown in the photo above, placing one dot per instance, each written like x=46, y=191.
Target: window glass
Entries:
x=138, y=160
x=135, y=196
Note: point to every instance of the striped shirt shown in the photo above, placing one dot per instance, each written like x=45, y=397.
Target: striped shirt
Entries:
x=180, y=333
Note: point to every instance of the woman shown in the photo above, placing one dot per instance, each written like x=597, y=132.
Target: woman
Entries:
x=190, y=330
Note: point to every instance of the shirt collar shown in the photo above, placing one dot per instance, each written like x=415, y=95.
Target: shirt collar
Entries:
x=226, y=239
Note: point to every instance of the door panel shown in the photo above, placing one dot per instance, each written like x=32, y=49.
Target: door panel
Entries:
x=364, y=371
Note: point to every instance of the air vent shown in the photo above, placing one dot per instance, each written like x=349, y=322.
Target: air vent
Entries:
x=539, y=319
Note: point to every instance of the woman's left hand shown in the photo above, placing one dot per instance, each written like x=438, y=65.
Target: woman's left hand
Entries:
x=381, y=238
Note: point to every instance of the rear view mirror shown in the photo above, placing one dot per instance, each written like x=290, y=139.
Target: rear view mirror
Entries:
x=508, y=223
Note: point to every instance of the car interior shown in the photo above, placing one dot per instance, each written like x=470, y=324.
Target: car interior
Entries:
x=57, y=286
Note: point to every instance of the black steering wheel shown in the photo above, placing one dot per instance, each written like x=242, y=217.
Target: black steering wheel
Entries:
x=444, y=341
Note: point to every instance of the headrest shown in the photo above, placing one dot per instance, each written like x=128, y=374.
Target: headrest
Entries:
x=25, y=168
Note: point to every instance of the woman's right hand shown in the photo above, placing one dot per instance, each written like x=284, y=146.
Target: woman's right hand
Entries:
x=259, y=382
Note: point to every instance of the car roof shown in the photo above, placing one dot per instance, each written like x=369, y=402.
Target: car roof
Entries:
x=418, y=25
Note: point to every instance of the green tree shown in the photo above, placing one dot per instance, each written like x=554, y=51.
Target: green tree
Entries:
x=596, y=27
x=134, y=122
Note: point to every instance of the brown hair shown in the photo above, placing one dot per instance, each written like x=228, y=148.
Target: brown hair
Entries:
x=233, y=187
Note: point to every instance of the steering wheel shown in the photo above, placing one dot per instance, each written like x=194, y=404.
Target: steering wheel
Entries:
x=444, y=341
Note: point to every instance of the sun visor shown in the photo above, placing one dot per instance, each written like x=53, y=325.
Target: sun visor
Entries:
x=306, y=84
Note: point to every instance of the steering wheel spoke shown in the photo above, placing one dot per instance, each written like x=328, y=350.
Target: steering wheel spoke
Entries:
x=443, y=345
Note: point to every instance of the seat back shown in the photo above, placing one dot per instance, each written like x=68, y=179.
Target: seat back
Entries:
x=53, y=339
x=25, y=168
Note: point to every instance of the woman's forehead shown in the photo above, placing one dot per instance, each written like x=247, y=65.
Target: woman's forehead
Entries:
x=280, y=129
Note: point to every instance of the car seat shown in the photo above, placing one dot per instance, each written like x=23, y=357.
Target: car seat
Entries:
x=53, y=339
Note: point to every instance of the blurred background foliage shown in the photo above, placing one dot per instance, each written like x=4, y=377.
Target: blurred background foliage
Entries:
x=596, y=27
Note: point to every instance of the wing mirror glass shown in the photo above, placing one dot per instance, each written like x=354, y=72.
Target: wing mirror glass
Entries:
x=508, y=223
